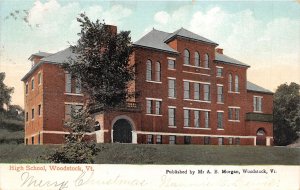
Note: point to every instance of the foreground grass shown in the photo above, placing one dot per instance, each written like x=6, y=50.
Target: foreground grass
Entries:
x=165, y=154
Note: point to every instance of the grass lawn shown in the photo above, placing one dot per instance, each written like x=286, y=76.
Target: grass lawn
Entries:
x=165, y=154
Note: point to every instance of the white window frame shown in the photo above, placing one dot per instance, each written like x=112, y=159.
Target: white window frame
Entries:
x=257, y=104
x=220, y=97
x=157, y=71
x=186, y=90
x=173, y=65
x=68, y=82
x=172, y=91
x=172, y=120
x=186, y=118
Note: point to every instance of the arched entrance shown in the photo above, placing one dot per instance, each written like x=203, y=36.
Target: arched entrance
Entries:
x=261, y=137
x=122, y=131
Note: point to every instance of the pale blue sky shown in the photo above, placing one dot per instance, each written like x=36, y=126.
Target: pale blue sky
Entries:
x=263, y=34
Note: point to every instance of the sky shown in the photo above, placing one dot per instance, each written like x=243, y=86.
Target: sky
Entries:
x=262, y=34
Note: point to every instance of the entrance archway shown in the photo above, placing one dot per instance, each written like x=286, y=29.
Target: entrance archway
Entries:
x=122, y=131
x=261, y=137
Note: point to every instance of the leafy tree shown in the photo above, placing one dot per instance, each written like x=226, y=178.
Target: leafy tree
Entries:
x=286, y=113
x=5, y=92
x=15, y=112
x=76, y=149
x=102, y=63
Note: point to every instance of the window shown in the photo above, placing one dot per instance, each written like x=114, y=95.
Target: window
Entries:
x=97, y=126
x=40, y=109
x=32, y=140
x=220, y=96
x=69, y=108
x=32, y=84
x=40, y=78
x=158, y=139
x=220, y=141
x=230, y=114
x=206, y=140
x=171, y=64
x=187, y=139
x=237, y=114
x=39, y=139
x=32, y=113
x=172, y=139
x=149, y=107
x=206, y=92
x=206, y=119
x=186, y=118
x=149, y=139
x=197, y=118
x=186, y=86
x=158, y=107
x=230, y=140
x=78, y=86
x=196, y=91
x=220, y=120
x=257, y=103
x=68, y=82
x=219, y=72
x=26, y=88
x=197, y=59
x=234, y=114
x=236, y=83
x=186, y=57
x=237, y=141
x=158, y=71
x=148, y=70
x=26, y=116
x=172, y=117
x=230, y=83
x=172, y=92
x=206, y=61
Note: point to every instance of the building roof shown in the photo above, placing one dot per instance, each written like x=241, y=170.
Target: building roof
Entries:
x=188, y=34
x=55, y=58
x=40, y=54
x=253, y=87
x=155, y=39
x=60, y=57
x=229, y=60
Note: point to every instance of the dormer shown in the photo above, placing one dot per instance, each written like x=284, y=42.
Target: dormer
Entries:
x=36, y=57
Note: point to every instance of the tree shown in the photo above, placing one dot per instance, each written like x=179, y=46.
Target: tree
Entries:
x=76, y=149
x=102, y=63
x=5, y=92
x=286, y=113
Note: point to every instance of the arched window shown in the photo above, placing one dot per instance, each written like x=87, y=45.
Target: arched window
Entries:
x=148, y=70
x=236, y=83
x=230, y=83
x=186, y=57
x=206, y=61
x=157, y=71
x=197, y=59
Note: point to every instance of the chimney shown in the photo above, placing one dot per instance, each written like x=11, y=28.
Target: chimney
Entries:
x=111, y=28
x=219, y=50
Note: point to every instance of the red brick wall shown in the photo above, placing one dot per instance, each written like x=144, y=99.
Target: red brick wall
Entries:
x=32, y=100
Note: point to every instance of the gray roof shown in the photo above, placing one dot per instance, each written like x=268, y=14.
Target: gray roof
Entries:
x=40, y=54
x=226, y=59
x=155, y=39
x=60, y=57
x=253, y=87
x=188, y=34
x=56, y=58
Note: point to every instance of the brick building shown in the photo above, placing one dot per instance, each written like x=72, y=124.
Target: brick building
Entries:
x=190, y=93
